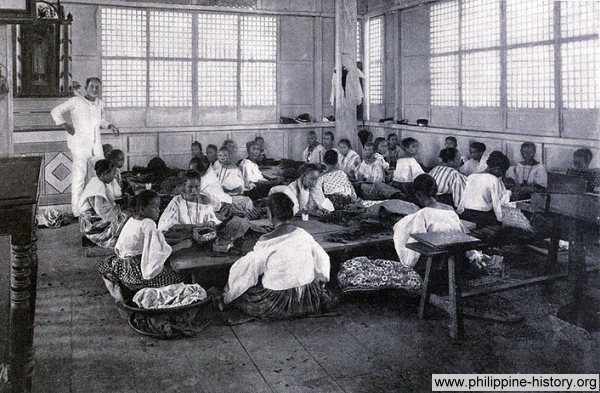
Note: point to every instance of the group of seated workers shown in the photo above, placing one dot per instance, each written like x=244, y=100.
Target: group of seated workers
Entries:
x=284, y=274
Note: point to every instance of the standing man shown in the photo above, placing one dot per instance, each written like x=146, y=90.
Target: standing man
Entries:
x=87, y=116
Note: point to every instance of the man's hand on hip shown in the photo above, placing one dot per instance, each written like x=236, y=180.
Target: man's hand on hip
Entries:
x=114, y=129
x=69, y=128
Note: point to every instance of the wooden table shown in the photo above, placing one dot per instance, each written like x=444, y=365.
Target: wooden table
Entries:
x=18, y=201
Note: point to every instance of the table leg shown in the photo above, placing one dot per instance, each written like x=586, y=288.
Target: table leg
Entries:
x=425, y=290
x=577, y=271
x=454, y=297
x=552, y=261
x=21, y=348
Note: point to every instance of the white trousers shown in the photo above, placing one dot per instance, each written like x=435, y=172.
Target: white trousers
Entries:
x=79, y=171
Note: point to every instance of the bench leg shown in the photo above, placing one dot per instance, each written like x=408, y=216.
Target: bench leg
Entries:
x=552, y=261
x=425, y=290
x=454, y=298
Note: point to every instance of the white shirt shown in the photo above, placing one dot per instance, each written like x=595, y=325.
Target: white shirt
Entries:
x=310, y=198
x=425, y=220
x=211, y=187
x=180, y=211
x=407, y=169
x=230, y=176
x=141, y=237
x=372, y=172
x=473, y=166
x=528, y=174
x=315, y=156
x=484, y=192
x=349, y=162
x=250, y=173
x=87, y=117
x=381, y=159
x=284, y=262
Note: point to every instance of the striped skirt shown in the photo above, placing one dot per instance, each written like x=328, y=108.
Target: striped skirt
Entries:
x=261, y=302
x=101, y=232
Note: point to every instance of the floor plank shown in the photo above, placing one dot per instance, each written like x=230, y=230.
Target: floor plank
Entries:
x=221, y=364
x=285, y=364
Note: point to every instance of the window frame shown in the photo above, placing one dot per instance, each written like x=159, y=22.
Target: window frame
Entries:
x=195, y=59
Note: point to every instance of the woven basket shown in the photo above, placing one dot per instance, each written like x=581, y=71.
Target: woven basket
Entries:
x=202, y=235
x=513, y=217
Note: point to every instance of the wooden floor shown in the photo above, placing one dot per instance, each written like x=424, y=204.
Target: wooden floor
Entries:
x=82, y=345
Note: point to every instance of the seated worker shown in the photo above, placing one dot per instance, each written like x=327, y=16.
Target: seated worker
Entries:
x=349, y=160
x=141, y=251
x=314, y=152
x=196, y=149
x=212, y=154
x=528, y=175
x=228, y=173
x=190, y=209
x=262, y=157
x=485, y=193
x=582, y=159
x=117, y=160
x=209, y=184
x=334, y=183
x=477, y=162
x=450, y=182
x=310, y=198
x=370, y=169
x=451, y=142
x=230, y=144
x=407, y=168
x=581, y=168
x=107, y=149
x=251, y=173
x=393, y=151
x=284, y=275
x=101, y=218
x=381, y=152
x=433, y=217
x=328, y=142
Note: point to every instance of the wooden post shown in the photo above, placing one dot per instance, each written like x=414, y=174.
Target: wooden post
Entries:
x=345, y=56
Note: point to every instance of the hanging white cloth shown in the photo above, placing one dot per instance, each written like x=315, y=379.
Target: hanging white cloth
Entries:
x=352, y=82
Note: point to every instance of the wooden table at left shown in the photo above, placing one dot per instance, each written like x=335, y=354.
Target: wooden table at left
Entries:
x=18, y=276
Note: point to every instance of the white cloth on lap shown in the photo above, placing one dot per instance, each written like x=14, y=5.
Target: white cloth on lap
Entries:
x=407, y=169
x=174, y=295
x=180, y=211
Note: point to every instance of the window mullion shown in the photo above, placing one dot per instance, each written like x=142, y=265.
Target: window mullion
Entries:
x=195, y=75
x=557, y=69
x=239, y=69
x=147, y=59
x=460, y=58
x=503, y=74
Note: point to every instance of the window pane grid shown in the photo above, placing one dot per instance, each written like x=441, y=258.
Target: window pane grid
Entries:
x=217, y=36
x=480, y=24
x=124, y=82
x=530, y=77
x=358, y=40
x=444, y=80
x=170, y=34
x=170, y=83
x=579, y=17
x=217, y=83
x=123, y=32
x=580, y=69
x=376, y=60
x=529, y=21
x=259, y=38
x=258, y=82
x=443, y=21
x=481, y=79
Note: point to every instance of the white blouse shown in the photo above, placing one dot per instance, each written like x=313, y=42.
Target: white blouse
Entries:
x=211, y=187
x=484, y=192
x=250, y=173
x=407, y=169
x=372, y=172
x=381, y=159
x=180, y=211
x=528, y=174
x=98, y=196
x=310, y=198
x=284, y=262
x=349, y=162
x=315, y=156
x=425, y=220
x=229, y=176
x=473, y=166
x=141, y=237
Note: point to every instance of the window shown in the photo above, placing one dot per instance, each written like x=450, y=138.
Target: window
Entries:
x=471, y=60
x=376, y=60
x=358, y=41
x=149, y=59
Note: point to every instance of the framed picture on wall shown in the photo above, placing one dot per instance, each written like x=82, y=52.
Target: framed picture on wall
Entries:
x=17, y=11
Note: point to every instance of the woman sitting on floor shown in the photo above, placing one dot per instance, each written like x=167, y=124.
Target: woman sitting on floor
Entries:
x=350, y=160
x=310, y=198
x=101, y=218
x=334, y=183
x=228, y=173
x=449, y=180
x=372, y=175
x=433, y=217
x=284, y=275
x=255, y=184
x=485, y=193
x=141, y=251
x=528, y=175
x=190, y=209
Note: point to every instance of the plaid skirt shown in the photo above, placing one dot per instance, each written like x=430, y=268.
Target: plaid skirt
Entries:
x=101, y=232
x=261, y=302
x=128, y=271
